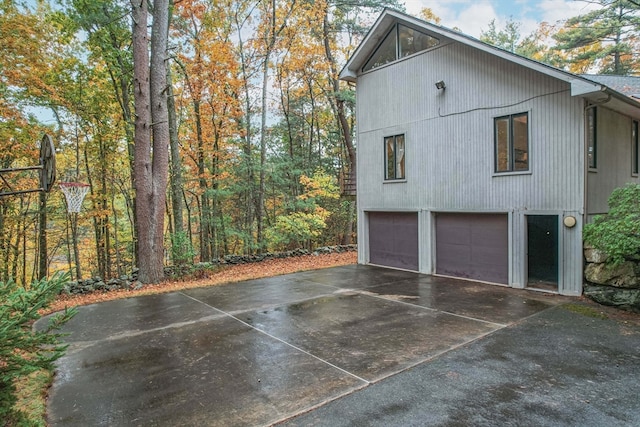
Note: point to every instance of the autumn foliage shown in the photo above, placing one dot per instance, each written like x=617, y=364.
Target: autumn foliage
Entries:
x=259, y=126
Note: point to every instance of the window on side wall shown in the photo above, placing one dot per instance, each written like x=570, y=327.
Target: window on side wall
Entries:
x=592, y=145
x=511, y=135
x=635, y=151
x=394, y=158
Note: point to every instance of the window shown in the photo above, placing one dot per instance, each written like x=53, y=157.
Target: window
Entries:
x=394, y=157
x=512, y=143
x=592, y=146
x=400, y=42
x=635, y=152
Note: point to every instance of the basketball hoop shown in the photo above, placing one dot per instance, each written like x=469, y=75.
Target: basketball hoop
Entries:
x=46, y=170
x=74, y=192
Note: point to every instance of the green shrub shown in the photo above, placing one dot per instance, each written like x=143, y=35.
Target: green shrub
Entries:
x=182, y=251
x=24, y=350
x=618, y=232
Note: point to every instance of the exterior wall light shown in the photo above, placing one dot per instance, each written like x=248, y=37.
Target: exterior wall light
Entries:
x=440, y=85
x=569, y=221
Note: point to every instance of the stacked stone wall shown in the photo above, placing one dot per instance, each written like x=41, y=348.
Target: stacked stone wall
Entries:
x=130, y=281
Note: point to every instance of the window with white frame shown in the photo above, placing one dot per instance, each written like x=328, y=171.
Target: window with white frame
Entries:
x=394, y=157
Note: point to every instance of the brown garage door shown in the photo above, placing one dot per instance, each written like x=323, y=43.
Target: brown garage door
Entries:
x=474, y=246
x=393, y=239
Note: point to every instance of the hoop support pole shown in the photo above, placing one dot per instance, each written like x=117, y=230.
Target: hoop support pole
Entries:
x=25, y=168
x=12, y=193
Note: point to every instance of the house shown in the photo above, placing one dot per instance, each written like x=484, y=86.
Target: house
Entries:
x=477, y=163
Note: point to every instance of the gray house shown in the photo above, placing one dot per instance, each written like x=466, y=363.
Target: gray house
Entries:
x=474, y=162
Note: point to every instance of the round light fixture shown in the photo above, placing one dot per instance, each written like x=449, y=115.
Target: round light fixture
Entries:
x=569, y=221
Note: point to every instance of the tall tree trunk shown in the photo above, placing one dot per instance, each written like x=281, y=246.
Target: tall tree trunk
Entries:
x=4, y=268
x=176, y=160
x=341, y=117
x=246, y=146
x=99, y=202
x=270, y=43
x=205, y=217
x=263, y=146
x=151, y=157
x=74, y=238
x=120, y=79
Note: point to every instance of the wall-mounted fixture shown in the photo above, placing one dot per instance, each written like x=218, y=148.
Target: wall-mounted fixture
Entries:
x=569, y=221
x=440, y=85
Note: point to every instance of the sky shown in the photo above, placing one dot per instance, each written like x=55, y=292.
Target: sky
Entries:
x=474, y=16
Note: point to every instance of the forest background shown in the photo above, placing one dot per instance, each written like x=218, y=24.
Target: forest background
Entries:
x=257, y=134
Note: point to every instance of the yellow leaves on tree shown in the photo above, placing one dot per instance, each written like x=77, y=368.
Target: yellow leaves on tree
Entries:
x=307, y=222
x=427, y=14
x=320, y=185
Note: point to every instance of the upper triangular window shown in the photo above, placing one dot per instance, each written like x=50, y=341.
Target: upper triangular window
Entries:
x=400, y=42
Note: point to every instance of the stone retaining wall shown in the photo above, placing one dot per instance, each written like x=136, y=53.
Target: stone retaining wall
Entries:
x=130, y=281
x=617, y=286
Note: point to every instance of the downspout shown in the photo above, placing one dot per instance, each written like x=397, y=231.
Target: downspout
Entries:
x=585, y=169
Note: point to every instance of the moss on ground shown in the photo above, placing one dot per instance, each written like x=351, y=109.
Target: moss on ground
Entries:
x=585, y=310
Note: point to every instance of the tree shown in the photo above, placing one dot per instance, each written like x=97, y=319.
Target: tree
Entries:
x=151, y=152
x=34, y=54
x=307, y=221
x=273, y=25
x=24, y=350
x=427, y=14
x=108, y=44
x=606, y=37
x=341, y=18
x=207, y=95
x=508, y=38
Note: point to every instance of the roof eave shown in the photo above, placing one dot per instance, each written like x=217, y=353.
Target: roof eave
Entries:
x=348, y=75
x=579, y=85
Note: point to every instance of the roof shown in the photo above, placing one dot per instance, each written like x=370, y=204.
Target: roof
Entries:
x=585, y=86
x=628, y=85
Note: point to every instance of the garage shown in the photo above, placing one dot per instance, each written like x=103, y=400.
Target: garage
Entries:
x=393, y=239
x=473, y=246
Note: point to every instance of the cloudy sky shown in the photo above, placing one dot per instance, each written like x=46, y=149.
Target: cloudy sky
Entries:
x=473, y=16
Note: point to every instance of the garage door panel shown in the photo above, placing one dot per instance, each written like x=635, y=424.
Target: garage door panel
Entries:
x=393, y=239
x=459, y=235
x=473, y=246
x=494, y=240
x=452, y=253
x=485, y=257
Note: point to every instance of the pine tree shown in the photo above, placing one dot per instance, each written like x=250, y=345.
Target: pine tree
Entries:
x=612, y=28
x=23, y=350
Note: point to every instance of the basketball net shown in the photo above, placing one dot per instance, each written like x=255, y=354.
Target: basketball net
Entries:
x=74, y=192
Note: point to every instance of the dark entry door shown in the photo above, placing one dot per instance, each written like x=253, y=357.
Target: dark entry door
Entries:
x=473, y=246
x=542, y=250
x=393, y=239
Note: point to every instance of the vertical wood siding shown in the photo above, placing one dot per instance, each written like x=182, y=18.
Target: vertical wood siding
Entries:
x=450, y=144
x=449, y=160
x=613, y=159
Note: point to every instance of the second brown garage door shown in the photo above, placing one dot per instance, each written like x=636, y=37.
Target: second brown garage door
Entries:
x=473, y=246
x=393, y=239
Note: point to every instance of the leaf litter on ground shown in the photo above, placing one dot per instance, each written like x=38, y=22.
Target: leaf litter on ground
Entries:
x=224, y=275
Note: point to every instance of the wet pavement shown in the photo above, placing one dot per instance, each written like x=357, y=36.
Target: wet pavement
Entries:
x=352, y=345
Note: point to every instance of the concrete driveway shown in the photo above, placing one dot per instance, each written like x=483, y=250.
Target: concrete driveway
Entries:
x=353, y=345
